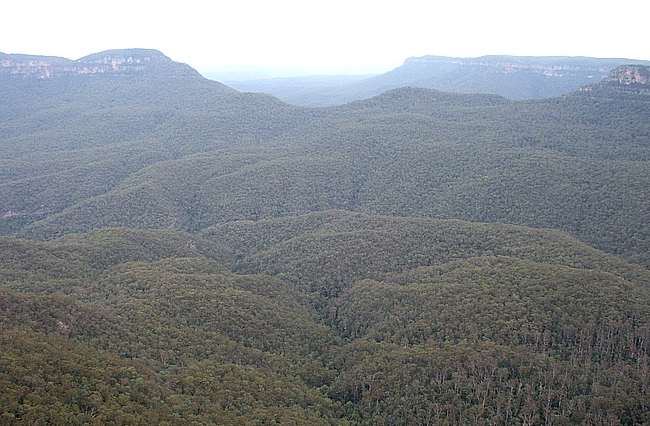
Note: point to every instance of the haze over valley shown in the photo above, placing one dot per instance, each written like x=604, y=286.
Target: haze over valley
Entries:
x=513, y=77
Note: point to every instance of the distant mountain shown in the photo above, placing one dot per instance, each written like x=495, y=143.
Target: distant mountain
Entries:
x=514, y=77
x=111, y=62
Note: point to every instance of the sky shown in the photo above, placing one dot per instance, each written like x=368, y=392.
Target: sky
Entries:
x=326, y=37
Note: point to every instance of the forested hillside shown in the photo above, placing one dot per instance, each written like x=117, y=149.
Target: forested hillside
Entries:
x=328, y=318
x=177, y=252
x=94, y=334
x=189, y=153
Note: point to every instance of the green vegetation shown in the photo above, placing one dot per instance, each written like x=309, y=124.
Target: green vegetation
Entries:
x=197, y=154
x=332, y=318
x=199, y=343
x=337, y=248
x=176, y=252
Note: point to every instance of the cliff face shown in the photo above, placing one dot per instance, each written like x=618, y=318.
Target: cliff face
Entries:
x=629, y=75
x=118, y=62
x=548, y=66
x=34, y=66
x=625, y=78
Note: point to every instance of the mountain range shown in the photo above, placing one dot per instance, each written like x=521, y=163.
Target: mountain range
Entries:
x=175, y=251
x=514, y=77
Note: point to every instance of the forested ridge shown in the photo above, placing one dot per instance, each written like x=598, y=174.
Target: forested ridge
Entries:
x=202, y=155
x=176, y=252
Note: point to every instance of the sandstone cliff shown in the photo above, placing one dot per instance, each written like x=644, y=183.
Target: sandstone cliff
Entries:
x=117, y=62
x=629, y=75
x=625, y=78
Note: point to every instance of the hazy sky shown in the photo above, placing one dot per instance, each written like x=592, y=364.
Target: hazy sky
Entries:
x=344, y=36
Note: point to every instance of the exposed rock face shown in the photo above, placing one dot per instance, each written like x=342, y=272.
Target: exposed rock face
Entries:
x=549, y=66
x=34, y=66
x=118, y=62
x=625, y=78
x=629, y=74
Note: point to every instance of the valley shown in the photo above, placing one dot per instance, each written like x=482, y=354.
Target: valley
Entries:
x=175, y=251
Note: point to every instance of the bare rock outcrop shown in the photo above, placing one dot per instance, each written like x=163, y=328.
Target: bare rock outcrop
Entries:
x=115, y=62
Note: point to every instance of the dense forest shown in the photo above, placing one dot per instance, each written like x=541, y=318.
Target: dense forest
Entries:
x=327, y=318
x=176, y=252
